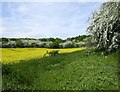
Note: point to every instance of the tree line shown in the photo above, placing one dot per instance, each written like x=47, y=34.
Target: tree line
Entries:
x=78, y=41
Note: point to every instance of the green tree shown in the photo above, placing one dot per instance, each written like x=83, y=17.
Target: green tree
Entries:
x=105, y=26
x=34, y=45
x=43, y=39
x=56, y=43
x=51, y=39
x=13, y=39
x=19, y=43
x=58, y=40
x=4, y=40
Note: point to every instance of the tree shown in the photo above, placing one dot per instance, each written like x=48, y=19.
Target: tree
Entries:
x=5, y=40
x=58, y=40
x=5, y=43
x=43, y=39
x=34, y=44
x=55, y=44
x=13, y=39
x=19, y=43
x=51, y=39
x=67, y=44
x=105, y=26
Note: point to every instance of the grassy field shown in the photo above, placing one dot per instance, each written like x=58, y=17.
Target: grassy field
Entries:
x=13, y=55
x=79, y=70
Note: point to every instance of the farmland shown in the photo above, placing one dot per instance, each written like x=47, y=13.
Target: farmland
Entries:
x=77, y=70
x=12, y=55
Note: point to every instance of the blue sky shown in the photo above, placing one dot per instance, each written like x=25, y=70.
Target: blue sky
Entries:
x=46, y=19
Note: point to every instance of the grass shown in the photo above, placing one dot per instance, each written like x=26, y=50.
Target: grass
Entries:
x=14, y=55
x=80, y=70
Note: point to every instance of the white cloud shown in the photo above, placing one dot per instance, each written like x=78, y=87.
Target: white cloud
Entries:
x=46, y=20
x=22, y=9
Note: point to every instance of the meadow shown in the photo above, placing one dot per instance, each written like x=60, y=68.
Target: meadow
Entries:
x=78, y=69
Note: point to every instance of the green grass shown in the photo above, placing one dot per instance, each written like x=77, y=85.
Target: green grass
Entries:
x=80, y=70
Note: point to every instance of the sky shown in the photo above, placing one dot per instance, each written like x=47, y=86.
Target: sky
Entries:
x=45, y=19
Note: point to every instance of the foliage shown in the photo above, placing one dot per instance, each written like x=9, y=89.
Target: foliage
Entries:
x=13, y=39
x=19, y=43
x=4, y=40
x=78, y=38
x=80, y=44
x=67, y=44
x=43, y=39
x=41, y=43
x=55, y=45
x=89, y=42
x=51, y=39
x=105, y=26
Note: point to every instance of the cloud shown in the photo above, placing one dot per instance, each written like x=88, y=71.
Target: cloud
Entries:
x=22, y=9
x=46, y=19
x=1, y=28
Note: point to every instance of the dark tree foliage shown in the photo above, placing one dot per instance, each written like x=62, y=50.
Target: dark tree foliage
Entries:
x=19, y=43
x=58, y=40
x=78, y=38
x=56, y=43
x=4, y=40
x=13, y=39
x=43, y=39
x=34, y=45
x=51, y=39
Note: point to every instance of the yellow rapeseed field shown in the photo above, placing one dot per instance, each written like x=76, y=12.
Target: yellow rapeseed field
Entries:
x=14, y=55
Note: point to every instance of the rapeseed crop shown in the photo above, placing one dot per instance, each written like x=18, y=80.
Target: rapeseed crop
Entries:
x=14, y=55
